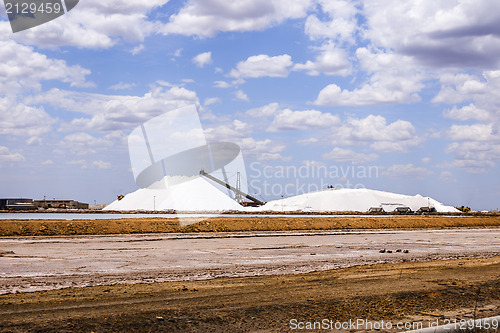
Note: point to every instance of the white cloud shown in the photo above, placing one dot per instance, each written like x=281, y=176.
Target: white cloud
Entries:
x=231, y=132
x=205, y=18
x=138, y=49
x=21, y=68
x=83, y=143
x=96, y=24
x=341, y=25
x=407, y=171
x=211, y=100
x=307, y=141
x=395, y=80
x=263, y=65
x=330, y=61
x=94, y=165
x=467, y=112
x=263, y=150
x=22, y=120
x=447, y=176
x=264, y=111
x=113, y=112
x=437, y=33
x=100, y=165
x=203, y=59
x=241, y=96
x=347, y=155
x=7, y=156
x=302, y=120
x=374, y=130
x=476, y=132
x=221, y=84
x=122, y=86
x=313, y=164
x=47, y=162
x=473, y=156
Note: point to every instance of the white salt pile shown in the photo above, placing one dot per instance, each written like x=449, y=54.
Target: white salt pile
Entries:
x=200, y=195
x=194, y=195
x=354, y=200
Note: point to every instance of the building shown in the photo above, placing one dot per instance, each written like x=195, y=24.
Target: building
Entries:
x=17, y=204
x=63, y=204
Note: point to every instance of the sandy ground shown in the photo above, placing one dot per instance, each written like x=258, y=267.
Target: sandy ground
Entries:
x=249, y=268
x=42, y=263
x=225, y=224
x=407, y=293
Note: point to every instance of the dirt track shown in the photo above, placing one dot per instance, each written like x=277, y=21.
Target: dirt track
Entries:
x=225, y=224
x=406, y=292
x=395, y=292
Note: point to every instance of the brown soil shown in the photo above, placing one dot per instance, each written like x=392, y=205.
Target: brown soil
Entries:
x=407, y=292
x=225, y=224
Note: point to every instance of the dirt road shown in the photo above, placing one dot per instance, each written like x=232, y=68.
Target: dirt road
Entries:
x=235, y=257
x=229, y=223
x=42, y=263
x=406, y=292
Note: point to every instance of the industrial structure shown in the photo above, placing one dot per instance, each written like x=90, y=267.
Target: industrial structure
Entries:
x=63, y=204
x=17, y=204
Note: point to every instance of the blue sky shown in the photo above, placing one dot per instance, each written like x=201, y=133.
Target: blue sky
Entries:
x=408, y=88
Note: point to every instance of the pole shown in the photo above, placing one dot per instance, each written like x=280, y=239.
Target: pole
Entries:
x=154, y=202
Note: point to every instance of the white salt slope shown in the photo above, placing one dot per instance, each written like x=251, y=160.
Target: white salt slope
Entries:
x=355, y=200
x=194, y=195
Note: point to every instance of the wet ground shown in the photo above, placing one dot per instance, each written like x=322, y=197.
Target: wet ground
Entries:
x=44, y=263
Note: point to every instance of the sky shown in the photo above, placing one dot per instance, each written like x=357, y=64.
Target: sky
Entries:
x=399, y=96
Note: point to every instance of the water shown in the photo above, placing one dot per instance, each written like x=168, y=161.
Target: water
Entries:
x=84, y=216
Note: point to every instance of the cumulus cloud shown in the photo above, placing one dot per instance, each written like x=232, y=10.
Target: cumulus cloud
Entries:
x=96, y=24
x=437, y=33
x=221, y=84
x=264, y=111
x=211, y=100
x=467, y=112
x=240, y=95
x=92, y=165
x=263, y=150
x=116, y=112
x=232, y=132
x=340, y=24
x=407, y=170
x=122, y=86
x=287, y=119
x=394, y=80
x=476, y=132
x=22, y=68
x=263, y=65
x=22, y=120
x=203, y=59
x=82, y=143
x=374, y=130
x=330, y=61
x=347, y=155
x=7, y=156
x=447, y=176
x=205, y=18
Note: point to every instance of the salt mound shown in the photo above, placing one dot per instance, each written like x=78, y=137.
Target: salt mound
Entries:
x=192, y=195
x=199, y=195
x=355, y=200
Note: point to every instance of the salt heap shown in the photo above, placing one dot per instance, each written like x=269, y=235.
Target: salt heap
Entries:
x=193, y=195
x=200, y=195
x=354, y=200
